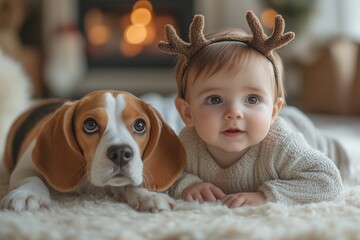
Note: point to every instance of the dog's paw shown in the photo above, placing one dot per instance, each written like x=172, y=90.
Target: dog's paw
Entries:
x=32, y=195
x=20, y=201
x=151, y=202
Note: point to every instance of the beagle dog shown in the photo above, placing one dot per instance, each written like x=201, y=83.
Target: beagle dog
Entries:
x=106, y=140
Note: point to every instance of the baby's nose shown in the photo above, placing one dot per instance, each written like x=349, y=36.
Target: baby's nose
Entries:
x=234, y=112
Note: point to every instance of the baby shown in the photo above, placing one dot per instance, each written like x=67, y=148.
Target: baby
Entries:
x=239, y=151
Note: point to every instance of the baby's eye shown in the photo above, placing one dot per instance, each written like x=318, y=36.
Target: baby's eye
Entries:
x=213, y=100
x=252, y=100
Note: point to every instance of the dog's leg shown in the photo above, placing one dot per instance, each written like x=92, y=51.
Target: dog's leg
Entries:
x=32, y=194
x=143, y=200
x=27, y=190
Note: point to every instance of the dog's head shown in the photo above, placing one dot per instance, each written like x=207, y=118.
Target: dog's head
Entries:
x=111, y=138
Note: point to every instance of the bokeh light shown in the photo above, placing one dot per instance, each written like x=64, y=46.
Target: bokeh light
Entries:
x=135, y=34
x=141, y=16
x=268, y=18
x=143, y=4
x=99, y=34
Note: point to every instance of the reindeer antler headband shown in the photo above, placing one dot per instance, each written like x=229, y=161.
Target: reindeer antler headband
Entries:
x=258, y=41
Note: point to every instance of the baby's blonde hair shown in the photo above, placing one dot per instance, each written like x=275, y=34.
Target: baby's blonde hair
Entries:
x=230, y=56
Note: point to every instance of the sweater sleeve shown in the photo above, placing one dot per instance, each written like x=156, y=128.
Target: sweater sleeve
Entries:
x=304, y=174
x=331, y=147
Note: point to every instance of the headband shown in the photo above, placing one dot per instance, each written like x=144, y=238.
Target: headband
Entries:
x=259, y=41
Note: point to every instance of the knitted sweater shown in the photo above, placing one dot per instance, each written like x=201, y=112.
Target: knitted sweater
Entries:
x=283, y=166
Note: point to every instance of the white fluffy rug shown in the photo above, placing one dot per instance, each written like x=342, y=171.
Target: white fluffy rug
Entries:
x=89, y=217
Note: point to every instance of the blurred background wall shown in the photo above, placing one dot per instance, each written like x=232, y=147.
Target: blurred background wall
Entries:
x=72, y=47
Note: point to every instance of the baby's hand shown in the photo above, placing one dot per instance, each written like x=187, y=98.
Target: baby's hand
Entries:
x=244, y=199
x=202, y=192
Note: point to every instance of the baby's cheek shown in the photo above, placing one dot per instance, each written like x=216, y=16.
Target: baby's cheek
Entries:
x=259, y=129
x=206, y=128
x=207, y=123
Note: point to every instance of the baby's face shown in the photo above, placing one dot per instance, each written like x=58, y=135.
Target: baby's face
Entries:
x=232, y=112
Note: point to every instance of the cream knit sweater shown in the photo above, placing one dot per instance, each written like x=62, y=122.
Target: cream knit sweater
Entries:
x=283, y=166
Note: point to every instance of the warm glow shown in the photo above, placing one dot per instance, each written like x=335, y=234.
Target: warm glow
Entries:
x=124, y=21
x=160, y=23
x=141, y=16
x=99, y=34
x=151, y=34
x=129, y=50
x=135, y=34
x=268, y=18
x=143, y=4
x=94, y=16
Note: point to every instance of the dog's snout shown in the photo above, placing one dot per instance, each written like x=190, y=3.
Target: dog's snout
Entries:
x=120, y=154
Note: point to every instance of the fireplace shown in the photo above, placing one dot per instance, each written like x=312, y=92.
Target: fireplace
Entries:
x=121, y=38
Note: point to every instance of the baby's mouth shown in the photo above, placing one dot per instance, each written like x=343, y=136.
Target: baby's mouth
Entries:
x=232, y=132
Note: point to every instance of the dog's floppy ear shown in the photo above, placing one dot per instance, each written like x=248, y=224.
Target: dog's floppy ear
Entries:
x=56, y=154
x=164, y=157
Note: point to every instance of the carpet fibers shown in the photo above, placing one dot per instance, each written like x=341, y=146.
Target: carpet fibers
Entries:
x=99, y=217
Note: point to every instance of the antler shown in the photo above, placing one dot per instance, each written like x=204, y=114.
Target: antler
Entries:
x=263, y=43
x=176, y=45
x=258, y=41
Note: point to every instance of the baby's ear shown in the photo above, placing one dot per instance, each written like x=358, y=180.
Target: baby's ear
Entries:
x=183, y=109
x=276, y=108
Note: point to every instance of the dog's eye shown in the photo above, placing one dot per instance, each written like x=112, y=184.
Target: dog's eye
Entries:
x=139, y=126
x=90, y=126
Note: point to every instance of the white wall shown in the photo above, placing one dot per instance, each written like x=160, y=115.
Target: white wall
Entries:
x=349, y=18
x=226, y=13
x=336, y=18
x=330, y=18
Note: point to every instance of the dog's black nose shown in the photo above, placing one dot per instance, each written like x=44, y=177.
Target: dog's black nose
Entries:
x=120, y=154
